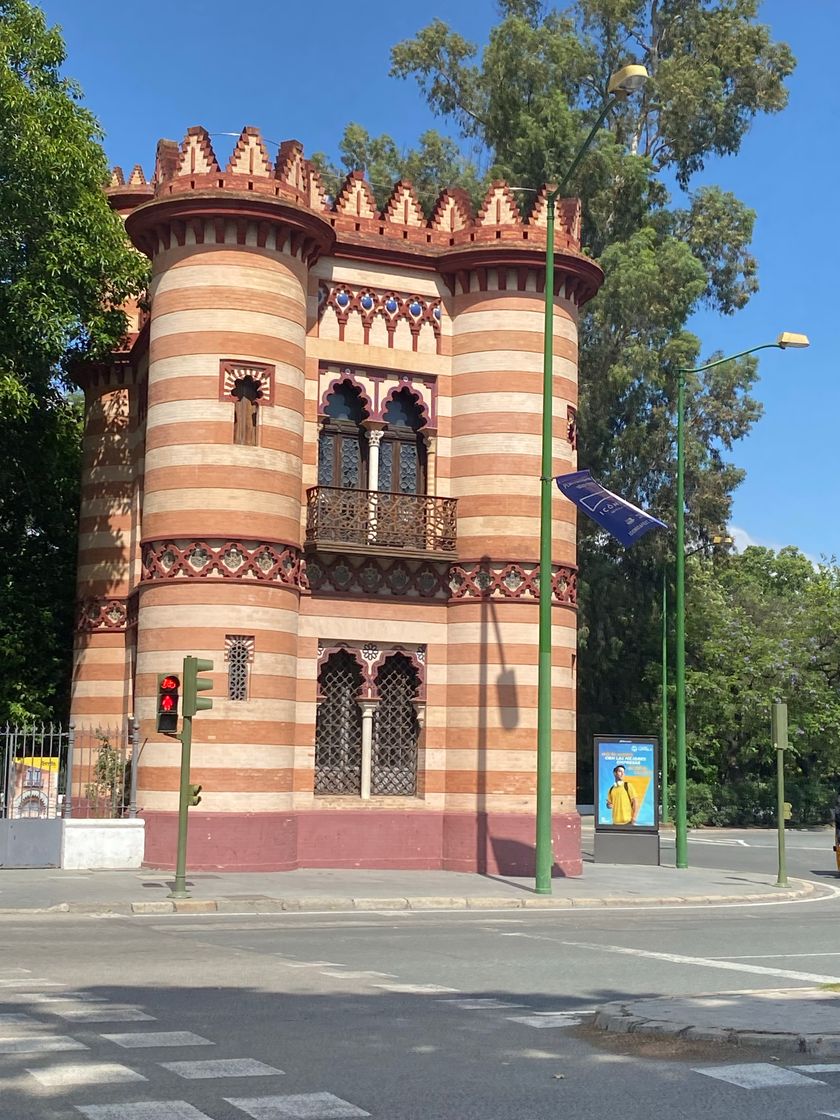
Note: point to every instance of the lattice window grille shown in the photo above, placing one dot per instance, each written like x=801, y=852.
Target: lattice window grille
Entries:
x=396, y=729
x=239, y=653
x=338, y=727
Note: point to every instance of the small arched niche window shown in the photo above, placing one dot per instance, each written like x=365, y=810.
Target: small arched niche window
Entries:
x=246, y=393
x=342, y=447
x=402, y=454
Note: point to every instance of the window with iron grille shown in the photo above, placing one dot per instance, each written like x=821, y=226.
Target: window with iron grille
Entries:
x=338, y=726
x=239, y=653
x=396, y=730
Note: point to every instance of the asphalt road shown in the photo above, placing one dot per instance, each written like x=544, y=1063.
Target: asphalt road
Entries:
x=396, y=1015
x=809, y=853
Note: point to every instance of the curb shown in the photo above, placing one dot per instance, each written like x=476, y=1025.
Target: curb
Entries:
x=619, y=1018
x=333, y=904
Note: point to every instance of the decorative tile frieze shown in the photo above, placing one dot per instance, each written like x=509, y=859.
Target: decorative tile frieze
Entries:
x=336, y=574
x=510, y=581
x=102, y=615
x=263, y=561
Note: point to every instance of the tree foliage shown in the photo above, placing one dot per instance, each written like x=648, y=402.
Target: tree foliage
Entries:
x=765, y=626
x=529, y=99
x=65, y=268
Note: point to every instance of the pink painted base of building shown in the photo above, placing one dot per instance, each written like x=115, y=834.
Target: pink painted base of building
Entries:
x=490, y=843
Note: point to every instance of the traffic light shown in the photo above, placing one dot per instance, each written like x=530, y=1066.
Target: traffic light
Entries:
x=169, y=689
x=193, y=684
x=195, y=794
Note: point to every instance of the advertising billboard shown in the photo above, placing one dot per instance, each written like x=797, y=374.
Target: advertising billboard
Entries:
x=626, y=783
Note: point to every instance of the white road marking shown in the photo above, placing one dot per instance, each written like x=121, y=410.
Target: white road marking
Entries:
x=705, y=962
x=828, y=1114
x=758, y=1075
x=772, y=956
x=28, y=982
x=95, y=1073
x=547, y=1019
x=147, y=1110
x=360, y=975
x=487, y=1004
x=819, y=1069
x=728, y=842
x=309, y=964
x=157, y=1038
x=36, y=1044
x=416, y=989
x=105, y=1015
x=62, y=997
x=224, y=1067
x=303, y=1106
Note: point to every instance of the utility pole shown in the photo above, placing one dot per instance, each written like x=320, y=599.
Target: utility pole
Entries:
x=779, y=734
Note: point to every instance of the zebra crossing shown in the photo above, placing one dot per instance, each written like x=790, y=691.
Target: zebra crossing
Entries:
x=28, y=1034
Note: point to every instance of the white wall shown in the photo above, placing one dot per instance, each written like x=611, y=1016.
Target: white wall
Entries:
x=102, y=844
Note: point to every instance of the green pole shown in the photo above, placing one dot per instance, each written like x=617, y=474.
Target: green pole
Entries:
x=179, y=890
x=544, y=856
x=782, y=343
x=681, y=824
x=666, y=794
x=779, y=733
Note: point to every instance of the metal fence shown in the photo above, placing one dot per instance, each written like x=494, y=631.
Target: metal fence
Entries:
x=49, y=771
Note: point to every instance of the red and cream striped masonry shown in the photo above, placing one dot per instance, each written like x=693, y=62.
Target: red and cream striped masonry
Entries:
x=215, y=299
x=494, y=471
x=237, y=257
x=101, y=674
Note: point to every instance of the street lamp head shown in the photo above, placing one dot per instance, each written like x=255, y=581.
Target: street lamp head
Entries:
x=787, y=339
x=627, y=80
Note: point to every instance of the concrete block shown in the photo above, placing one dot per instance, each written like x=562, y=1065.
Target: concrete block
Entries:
x=380, y=903
x=236, y=906
x=661, y=1027
x=826, y=1045
x=98, y=907
x=325, y=903
x=546, y=903
x=156, y=907
x=768, y=1040
x=494, y=903
x=102, y=844
x=432, y=903
x=195, y=906
x=708, y=1034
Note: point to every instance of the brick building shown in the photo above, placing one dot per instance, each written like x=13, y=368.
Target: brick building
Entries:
x=317, y=463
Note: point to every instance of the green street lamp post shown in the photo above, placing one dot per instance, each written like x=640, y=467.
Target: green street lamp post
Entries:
x=786, y=340
x=622, y=83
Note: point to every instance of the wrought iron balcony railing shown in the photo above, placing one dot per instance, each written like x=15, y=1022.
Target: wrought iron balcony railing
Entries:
x=375, y=521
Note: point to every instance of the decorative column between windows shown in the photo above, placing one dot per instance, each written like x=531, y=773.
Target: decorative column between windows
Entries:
x=368, y=708
x=374, y=438
x=430, y=440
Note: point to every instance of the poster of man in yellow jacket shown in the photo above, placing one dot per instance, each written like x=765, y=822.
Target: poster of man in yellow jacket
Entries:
x=626, y=783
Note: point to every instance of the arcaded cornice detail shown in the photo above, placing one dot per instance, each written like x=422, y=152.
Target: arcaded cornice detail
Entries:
x=331, y=573
x=281, y=205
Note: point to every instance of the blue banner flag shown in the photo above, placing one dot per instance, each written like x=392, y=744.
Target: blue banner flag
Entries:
x=626, y=522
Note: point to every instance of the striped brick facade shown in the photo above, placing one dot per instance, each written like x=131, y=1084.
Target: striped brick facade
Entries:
x=190, y=536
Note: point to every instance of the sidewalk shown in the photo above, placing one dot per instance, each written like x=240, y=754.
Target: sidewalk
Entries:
x=785, y=1020
x=145, y=892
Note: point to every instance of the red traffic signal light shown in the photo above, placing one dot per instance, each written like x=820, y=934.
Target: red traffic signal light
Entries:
x=169, y=690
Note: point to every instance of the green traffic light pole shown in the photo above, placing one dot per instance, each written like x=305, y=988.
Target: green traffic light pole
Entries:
x=666, y=794
x=192, y=684
x=785, y=340
x=621, y=84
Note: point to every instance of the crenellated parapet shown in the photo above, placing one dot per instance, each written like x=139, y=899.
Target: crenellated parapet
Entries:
x=281, y=204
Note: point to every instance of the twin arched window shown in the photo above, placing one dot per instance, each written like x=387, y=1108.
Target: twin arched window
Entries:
x=344, y=458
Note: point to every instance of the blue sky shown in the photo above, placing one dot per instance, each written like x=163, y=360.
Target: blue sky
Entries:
x=303, y=71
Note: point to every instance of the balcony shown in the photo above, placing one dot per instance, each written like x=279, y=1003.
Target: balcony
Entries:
x=373, y=521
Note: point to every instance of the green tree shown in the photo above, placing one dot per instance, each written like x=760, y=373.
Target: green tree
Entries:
x=765, y=626
x=435, y=162
x=529, y=99
x=65, y=269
